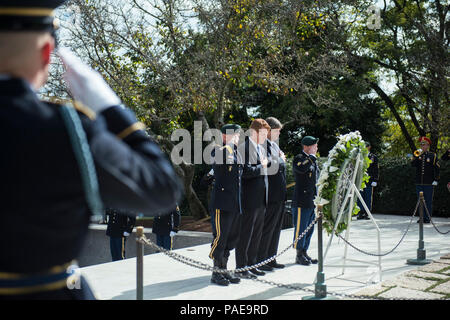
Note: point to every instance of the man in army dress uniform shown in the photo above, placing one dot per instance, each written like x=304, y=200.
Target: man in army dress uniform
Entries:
x=367, y=192
x=120, y=226
x=427, y=174
x=47, y=170
x=306, y=172
x=226, y=202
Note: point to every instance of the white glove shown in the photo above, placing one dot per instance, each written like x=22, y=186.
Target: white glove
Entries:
x=435, y=183
x=172, y=233
x=86, y=84
x=374, y=184
x=125, y=234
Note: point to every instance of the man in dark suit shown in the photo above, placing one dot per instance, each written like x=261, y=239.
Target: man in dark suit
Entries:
x=226, y=202
x=367, y=192
x=59, y=164
x=254, y=197
x=120, y=226
x=277, y=197
x=306, y=173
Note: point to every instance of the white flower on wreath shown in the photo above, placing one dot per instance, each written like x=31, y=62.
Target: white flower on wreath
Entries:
x=320, y=201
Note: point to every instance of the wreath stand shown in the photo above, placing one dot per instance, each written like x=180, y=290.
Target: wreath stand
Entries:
x=349, y=198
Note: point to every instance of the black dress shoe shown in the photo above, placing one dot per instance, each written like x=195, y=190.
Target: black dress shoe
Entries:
x=313, y=261
x=257, y=272
x=266, y=267
x=219, y=279
x=276, y=265
x=301, y=259
x=245, y=275
x=231, y=278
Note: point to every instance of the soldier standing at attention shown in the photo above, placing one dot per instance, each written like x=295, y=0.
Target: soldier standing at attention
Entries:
x=120, y=226
x=306, y=173
x=367, y=192
x=165, y=227
x=226, y=202
x=427, y=174
x=61, y=163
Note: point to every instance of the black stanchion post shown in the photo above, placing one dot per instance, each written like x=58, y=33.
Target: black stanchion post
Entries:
x=320, y=289
x=139, y=264
x=421, y=252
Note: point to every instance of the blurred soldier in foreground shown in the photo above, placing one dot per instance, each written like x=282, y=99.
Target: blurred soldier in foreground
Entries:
x=59, y=165
x=427, y=174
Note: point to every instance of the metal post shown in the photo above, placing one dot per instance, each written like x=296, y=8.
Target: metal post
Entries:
x=320, y=289
x=421, y=252
x=139, y=264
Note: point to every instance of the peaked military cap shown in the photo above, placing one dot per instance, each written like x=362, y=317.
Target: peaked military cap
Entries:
x=425, y=139
x=28, y=15
x=309, y=140
x=230, y=126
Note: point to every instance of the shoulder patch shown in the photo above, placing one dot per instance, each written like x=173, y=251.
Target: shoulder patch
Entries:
x=229, y=149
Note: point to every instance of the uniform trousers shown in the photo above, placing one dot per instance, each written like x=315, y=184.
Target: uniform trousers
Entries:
x=249, y=238
x=270, y=237
x=226, y=231
x=428, y=191
x=117, y=246
x=301, y=219
x=366, y=194
x=164, y=241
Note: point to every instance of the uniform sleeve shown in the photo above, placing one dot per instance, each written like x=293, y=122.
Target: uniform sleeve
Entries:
x=436, y=168
x=133, y=173
x=302, y=164
x=376, y=169
x=176, y=219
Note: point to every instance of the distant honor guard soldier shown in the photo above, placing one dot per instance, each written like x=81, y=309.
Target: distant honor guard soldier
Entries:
x=226, y=202
x=62, y=163
x=427, y=174
x=165, y=227
x=367, y=192
x=120, y=226
x=306, y=172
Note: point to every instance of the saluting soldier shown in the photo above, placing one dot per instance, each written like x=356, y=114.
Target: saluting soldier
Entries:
x=306, y=172
x=61, y=163
x=367, y=192
x=427, y=174
x=120, y=226
x=226, y=202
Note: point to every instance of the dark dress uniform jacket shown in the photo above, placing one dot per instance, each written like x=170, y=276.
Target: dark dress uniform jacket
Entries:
x=226, y=191
x=306, y=173
x=277, y=181
x=373, y=170
x=253, y=185
x=427, y=168
x=118, y=223
x=165, y=223
x=44, y=214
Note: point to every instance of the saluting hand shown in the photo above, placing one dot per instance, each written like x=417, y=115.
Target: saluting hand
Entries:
x=86, y=84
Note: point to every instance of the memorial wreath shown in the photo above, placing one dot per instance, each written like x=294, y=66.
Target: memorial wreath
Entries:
x=336, y=175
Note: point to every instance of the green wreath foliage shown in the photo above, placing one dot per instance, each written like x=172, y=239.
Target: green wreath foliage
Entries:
x=346, y=148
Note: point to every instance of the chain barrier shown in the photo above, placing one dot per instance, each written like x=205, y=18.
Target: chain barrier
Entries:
x=432, y=222
x=206, y=267
x=393, y=249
